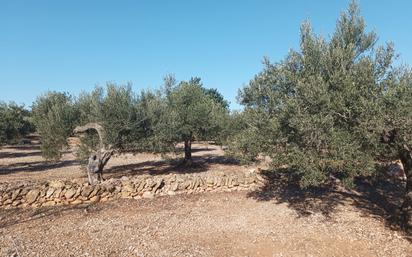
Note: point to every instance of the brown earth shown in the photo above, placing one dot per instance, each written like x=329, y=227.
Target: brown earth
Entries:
x=274, y=221
x=25, y=164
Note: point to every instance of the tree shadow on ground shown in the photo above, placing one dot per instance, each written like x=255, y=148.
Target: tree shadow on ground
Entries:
x=160, y=167
x=27, y=147
x=10, y=217
x=376, y=197
x=17, y=151
x=4, y=155
x=38, y=166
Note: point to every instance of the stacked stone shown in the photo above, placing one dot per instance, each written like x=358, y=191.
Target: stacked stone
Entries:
x=137, y=187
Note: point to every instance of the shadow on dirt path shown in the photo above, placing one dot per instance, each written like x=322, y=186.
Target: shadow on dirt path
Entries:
x=375, y=197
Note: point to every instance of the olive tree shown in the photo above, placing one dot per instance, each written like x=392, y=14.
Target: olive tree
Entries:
x=333, y=108
x=397, y=131
x=54, y=116
x=14, y=123
x=190, y=113
x=106, y=117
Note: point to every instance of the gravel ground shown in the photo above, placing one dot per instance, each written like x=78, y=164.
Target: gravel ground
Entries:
x=209, y=224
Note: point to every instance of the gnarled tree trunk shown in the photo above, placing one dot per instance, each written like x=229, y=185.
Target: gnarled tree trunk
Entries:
x=405, y=155
x=98, y=159
x=188, y=151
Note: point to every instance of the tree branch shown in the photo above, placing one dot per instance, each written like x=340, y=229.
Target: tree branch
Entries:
x=93, y=126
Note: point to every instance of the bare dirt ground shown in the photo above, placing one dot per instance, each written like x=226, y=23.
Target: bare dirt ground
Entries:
x=278, y=220
x=25, y=164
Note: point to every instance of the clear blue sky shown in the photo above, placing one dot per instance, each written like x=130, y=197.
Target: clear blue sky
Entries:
x=73, y=45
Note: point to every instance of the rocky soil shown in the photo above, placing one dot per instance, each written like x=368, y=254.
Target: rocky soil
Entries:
x=267, y=222
x=209, y=224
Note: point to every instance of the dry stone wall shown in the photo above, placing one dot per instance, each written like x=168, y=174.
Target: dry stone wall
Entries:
x=146, y=186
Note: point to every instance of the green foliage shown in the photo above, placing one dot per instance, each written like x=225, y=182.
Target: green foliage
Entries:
x=14, y=123
x=320, y=109
x=88, y=143
x=112, y=108
x=217, y=97
x=149, y=132
x=397, y=111
x=153, y=120
x=192, y=113
x=54, y=116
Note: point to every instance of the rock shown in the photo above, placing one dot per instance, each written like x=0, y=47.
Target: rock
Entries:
x=150, y=183
x=174, y=186
x=148, y=194
x=95, y=199
x=32, y=195
x=6, y=196
x=197, y=183
x=219, y=182
x=110, y=188
x=117, y=189
x=15, y=194
x=43, y=192
x=171, y=192
x=125, y=194
x=104, y=199
x=49, y=203
x=50, y=192
x=15, y=203
x=77, y=201
x=24, y=191
x=87, y=190
x=141, y=186
x=173, y=178
x=229, y=182
x=241, y=179
x=56, y=184
x=70, y=193
x=249, y=180
x=181, y=185
x=78, y=191
x=158, y=185
x=210, y=181
x=124, y=178
x=128, y=188
x=94, y=192
x=57, y=193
